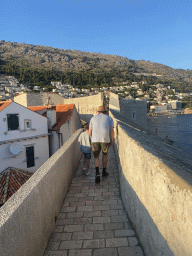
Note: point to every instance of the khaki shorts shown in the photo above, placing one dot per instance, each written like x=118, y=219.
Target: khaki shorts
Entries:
x=97, y=146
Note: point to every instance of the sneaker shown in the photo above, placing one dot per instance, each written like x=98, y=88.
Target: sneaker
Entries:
x=105, y=174
x=97, y=178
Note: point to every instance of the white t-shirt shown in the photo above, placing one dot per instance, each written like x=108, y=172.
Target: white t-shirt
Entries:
x=85, y=142
x=101, y=124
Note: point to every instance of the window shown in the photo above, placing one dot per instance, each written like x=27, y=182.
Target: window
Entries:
x=30, y=156
x=13, y=122
x=27, y=124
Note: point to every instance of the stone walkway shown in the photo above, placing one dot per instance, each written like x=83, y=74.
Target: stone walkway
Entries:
x=92, y=220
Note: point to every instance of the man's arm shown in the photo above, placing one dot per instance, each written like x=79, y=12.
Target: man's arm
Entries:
x=90, y=131
x=111, y=135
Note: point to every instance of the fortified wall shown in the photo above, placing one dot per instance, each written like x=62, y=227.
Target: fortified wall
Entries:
x=156, y=188
x=86, y=106
x=38, y=99
x=134, y=110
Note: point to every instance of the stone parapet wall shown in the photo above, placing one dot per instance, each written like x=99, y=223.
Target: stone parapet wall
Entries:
x=156, y=189
x=27, y=219
x=38, y=99
x=86, y=106
x=114, y=101
x=135, y=110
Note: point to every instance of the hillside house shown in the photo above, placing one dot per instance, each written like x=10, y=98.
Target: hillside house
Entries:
x=23, y=137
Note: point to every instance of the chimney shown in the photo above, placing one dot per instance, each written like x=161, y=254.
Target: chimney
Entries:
x=51, y=116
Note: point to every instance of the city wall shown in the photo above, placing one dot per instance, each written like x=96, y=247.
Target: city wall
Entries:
x=134, y=110
x=86, y=106
x=27, y=219
x=156, y=189
x=38, y=99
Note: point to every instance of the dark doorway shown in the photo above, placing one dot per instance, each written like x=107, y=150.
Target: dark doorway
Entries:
x=30, y=156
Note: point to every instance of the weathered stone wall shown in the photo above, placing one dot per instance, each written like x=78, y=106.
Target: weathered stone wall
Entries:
x=27, y=219
x=135, y=110
x=38, y=99
x=114, y=101
x=86, y=106
x=156, y=189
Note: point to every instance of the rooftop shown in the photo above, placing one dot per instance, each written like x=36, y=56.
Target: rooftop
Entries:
x=11, y=179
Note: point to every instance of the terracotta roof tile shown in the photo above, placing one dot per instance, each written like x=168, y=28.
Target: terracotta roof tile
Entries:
x=11, y=180
x=4, y=104
x=63, y=114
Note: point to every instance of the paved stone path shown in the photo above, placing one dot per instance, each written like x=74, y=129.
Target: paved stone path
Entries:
x=92, y=220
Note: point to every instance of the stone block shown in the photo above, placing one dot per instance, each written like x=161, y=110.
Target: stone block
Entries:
x=111, y=226
x=103, y=234
x=110, y=213
x=110, y=202
x=82, y=235
x=124, y=232
x=92, y=214
x=101, y=219
x=84, y=252
x=56, y=253
x=92, y=227
x=131, y=251
x=74, y=215
x=133, y=241
x=84, y=208
x=83, y=220
x=119, y=218
x=73, y=244
x=116, y=242
x=101, y=208
x=73, y=228
x=106, y=252
x=95, y=243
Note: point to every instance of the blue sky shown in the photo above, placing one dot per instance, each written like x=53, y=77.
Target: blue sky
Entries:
x=159, y=31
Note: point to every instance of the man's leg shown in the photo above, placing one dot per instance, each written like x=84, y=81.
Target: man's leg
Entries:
x=104, y=160
x=96, y=151
x=105, y=148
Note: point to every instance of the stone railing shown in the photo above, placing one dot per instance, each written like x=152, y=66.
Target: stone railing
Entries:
x=27, y=219
x=156, y=188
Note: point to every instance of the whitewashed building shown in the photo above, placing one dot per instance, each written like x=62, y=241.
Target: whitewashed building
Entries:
x=63, y=121
x=23, y=138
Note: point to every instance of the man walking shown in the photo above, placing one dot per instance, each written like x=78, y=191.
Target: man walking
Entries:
x=102, y=133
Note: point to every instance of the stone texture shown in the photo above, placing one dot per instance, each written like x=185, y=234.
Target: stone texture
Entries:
x=116, y=242
x=106, y=252
x=92, y=221
x=73, y=244
x=73, y=228
x=82, y=235
x=130, y=251
x=85, y=252
x=124, y=232
x=95, y=243
x=101, y=219
x=103, y=234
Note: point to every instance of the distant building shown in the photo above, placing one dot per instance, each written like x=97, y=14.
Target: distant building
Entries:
x=175, y=104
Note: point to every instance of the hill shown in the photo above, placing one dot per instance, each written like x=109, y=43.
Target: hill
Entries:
x=119, y=69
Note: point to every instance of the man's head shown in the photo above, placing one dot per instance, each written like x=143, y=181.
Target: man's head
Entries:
x=100, y=109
